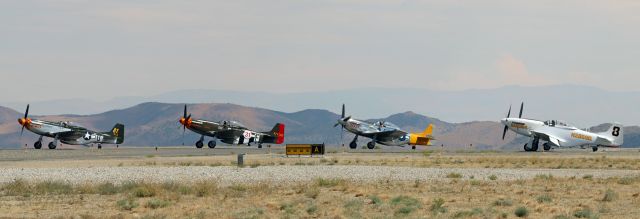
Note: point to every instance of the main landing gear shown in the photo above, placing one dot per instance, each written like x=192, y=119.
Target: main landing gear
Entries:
x=546, y=146
x=594, y=148
x=52, y=145
x=371, y=145
x=38, y=143
x=353, y=144
x=534, y=145
x=200, y=143
x=212, y=144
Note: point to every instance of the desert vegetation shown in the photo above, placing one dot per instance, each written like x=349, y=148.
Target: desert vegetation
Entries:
x=541, y=197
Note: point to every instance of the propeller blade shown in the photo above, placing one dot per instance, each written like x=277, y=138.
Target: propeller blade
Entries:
x=184, y=129
x=509, y=113
x=346, y=119
x=342, y=111
x=521, y=107
x=336, y=125
x=26, y=113
x=188, y=117
x=185, y=111
x=21, y=131
x=504, y=133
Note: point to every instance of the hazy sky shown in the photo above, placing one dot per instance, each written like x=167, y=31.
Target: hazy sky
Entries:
x=100, y=49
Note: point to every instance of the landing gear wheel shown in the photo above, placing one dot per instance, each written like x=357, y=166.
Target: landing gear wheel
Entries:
x=37, y=145
x=353, y=145
x=212, y=144
x=546, y=146
x=594, y=149
x=259, y=145
x=199, y=144
x=413, y=147
x=52, y=146
x=534, y=146
x=99, y=146
x=527, y=148
x=371, y=145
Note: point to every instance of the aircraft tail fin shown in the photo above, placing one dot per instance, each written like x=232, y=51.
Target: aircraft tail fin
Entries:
x=277, y=133
x=616, y=133
x=422, y=138
x=118, y=133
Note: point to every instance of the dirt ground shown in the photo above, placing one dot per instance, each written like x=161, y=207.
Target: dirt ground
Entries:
x=454, y=196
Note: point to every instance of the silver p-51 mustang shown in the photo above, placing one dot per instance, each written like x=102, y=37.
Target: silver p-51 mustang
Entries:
x=383, y=132
x=560, y=134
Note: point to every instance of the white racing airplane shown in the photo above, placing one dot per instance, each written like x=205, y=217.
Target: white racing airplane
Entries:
x=560, y=134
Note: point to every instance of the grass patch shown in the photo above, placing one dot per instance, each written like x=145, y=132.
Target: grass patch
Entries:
x=203, y=189
x=17, y=188
x=437, y=207
x=53, y=187
x=322, y=182
x=545, y=198
x=157, y=203
x=493, y=177
x=587, y=177
x=584, y=213
x=404, y=205
x=127, y=204
x=107, y=188
x=352, y=208
x=375, y=200
x=465, y=214
x=609, y=195
x=521, y=212
x=503, y=202
x=545, y=177
x=627, y=180
x=454, y=176
x=144, y=190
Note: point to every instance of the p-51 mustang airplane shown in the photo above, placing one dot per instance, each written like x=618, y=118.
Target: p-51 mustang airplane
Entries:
x=230, y=132
x=383, y=132
x=559, y=134
x=70, y=134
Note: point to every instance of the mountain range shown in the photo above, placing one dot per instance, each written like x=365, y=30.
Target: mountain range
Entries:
x=156, y=124
x=582, y=106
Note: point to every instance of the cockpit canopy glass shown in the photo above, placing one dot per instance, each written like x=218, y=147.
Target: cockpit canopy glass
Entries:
x=555, y=123
x=233, y=124
x=388, y=125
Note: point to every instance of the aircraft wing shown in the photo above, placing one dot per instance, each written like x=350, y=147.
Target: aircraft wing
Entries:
x=546, y=137
x=391, y=134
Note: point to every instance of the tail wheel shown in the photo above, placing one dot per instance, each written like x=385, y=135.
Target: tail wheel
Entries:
x=37, y=145
x=212, y=144
x=199, y=144
x=259, y=145
x=353, y=145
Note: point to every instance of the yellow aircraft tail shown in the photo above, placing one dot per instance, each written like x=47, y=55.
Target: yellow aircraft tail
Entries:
x=424, y=138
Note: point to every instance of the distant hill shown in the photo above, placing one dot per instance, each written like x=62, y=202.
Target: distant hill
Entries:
x=572, y=103
x=150, y=124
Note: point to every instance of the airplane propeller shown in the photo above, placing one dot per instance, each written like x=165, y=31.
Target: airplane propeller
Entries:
x=25, y=121
x=185, y=120
x=342, y=126
x=504, y=132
